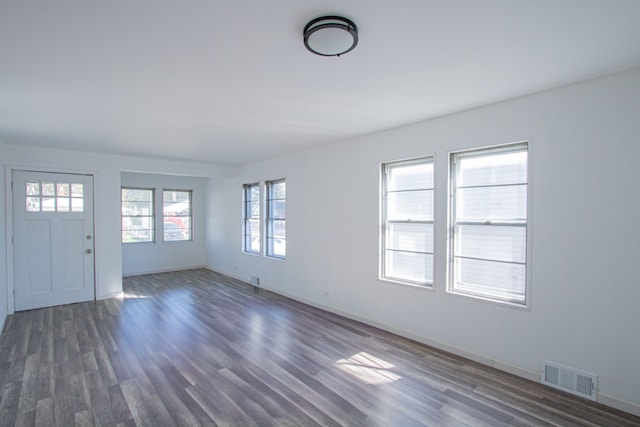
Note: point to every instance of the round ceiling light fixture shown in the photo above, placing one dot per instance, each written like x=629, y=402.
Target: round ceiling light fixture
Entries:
x=330, y=35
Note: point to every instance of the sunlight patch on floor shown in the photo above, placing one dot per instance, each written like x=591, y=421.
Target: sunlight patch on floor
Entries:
x=368, y=368
x=127, y=295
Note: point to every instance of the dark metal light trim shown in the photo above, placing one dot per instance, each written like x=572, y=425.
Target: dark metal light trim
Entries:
x=325, y=22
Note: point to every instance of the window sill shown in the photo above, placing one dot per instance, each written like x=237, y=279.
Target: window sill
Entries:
x=518, y=306
x=407, y=284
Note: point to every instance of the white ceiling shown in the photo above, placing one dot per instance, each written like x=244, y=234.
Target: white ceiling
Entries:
x=230, y=81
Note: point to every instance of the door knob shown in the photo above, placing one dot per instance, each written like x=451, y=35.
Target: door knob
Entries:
x=88, y=251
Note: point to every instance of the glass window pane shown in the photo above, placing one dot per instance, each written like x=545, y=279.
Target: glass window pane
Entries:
x=62, y=189
x=174, y=196
x=410, y=205
x=177, y=215
x=63, y=204
x=277, y=247
x=177, y=209
x=254, y=193
x=492, y=203
x=278, y=209
x=252, y=244
x=500, y=280
x=133, y=194
x=136, y=208
x=411, y=176
x=137, y=215
x=48, y=204
x=254, y=227
x=410, y=237
x=278, y=228
x=172, y=232
x=252, y=209
x=493, y=169
x=278, y=190
x=276, y=222
x=33, y=188
x=492, y=242
x=77, y=205
x=33, y=204
x=77, y=190
x=48, y=189
x=414, y=267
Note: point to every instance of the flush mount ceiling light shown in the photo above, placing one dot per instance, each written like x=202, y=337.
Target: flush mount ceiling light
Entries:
x=330, y=36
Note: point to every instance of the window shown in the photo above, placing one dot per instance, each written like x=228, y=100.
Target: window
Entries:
x=137, y=215
x=45, y=196
x=488, y=256
x=276, y=219
x=251, y=241
x=176, y=211
x=407, y=221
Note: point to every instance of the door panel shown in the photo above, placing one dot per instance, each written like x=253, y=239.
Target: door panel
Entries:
x=53, y=239
x=38, y=255
x=73, y=243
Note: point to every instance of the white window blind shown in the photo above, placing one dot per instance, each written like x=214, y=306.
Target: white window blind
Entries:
x=251, y=235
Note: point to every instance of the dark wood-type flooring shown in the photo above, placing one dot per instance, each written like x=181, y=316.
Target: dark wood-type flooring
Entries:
x=198, y=348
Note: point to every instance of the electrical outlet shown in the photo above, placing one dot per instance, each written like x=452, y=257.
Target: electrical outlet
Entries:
x=326, y=294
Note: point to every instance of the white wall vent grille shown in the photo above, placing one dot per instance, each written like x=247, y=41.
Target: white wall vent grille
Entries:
x=570, y=380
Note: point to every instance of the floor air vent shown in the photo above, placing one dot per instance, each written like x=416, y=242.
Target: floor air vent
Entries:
x=570, y=380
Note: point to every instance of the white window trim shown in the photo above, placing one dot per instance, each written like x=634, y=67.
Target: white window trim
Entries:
x=154, y=216
x=526, y=305
x=245, y=187
x=267, y=217
x=430, y=285
x=191, y=212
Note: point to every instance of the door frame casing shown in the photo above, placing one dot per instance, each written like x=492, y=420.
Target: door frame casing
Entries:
x=9, y=262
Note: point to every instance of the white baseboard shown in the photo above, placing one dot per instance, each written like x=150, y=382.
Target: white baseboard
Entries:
x=605, y=399
x=165, y=270
x=621, y=404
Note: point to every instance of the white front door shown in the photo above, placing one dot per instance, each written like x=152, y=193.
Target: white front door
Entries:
x=53, y=239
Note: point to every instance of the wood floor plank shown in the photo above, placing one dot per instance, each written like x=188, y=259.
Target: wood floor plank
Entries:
x=9, y=402
x=196, y=348
x=145, y=405
x=45, y=413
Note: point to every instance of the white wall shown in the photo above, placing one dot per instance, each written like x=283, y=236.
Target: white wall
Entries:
x=3, y=243
x=141, y=258
x=585, y=233
x=106, y=170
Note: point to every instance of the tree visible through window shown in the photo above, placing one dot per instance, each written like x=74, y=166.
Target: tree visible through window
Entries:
x=176, y=212
x=137, y=215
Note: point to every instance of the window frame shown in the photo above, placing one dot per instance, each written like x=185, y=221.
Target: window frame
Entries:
x=247, y=217
x=385, y=222
x=152, y=216
x=269, y=219
x=453, y=239
x=190, y=216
